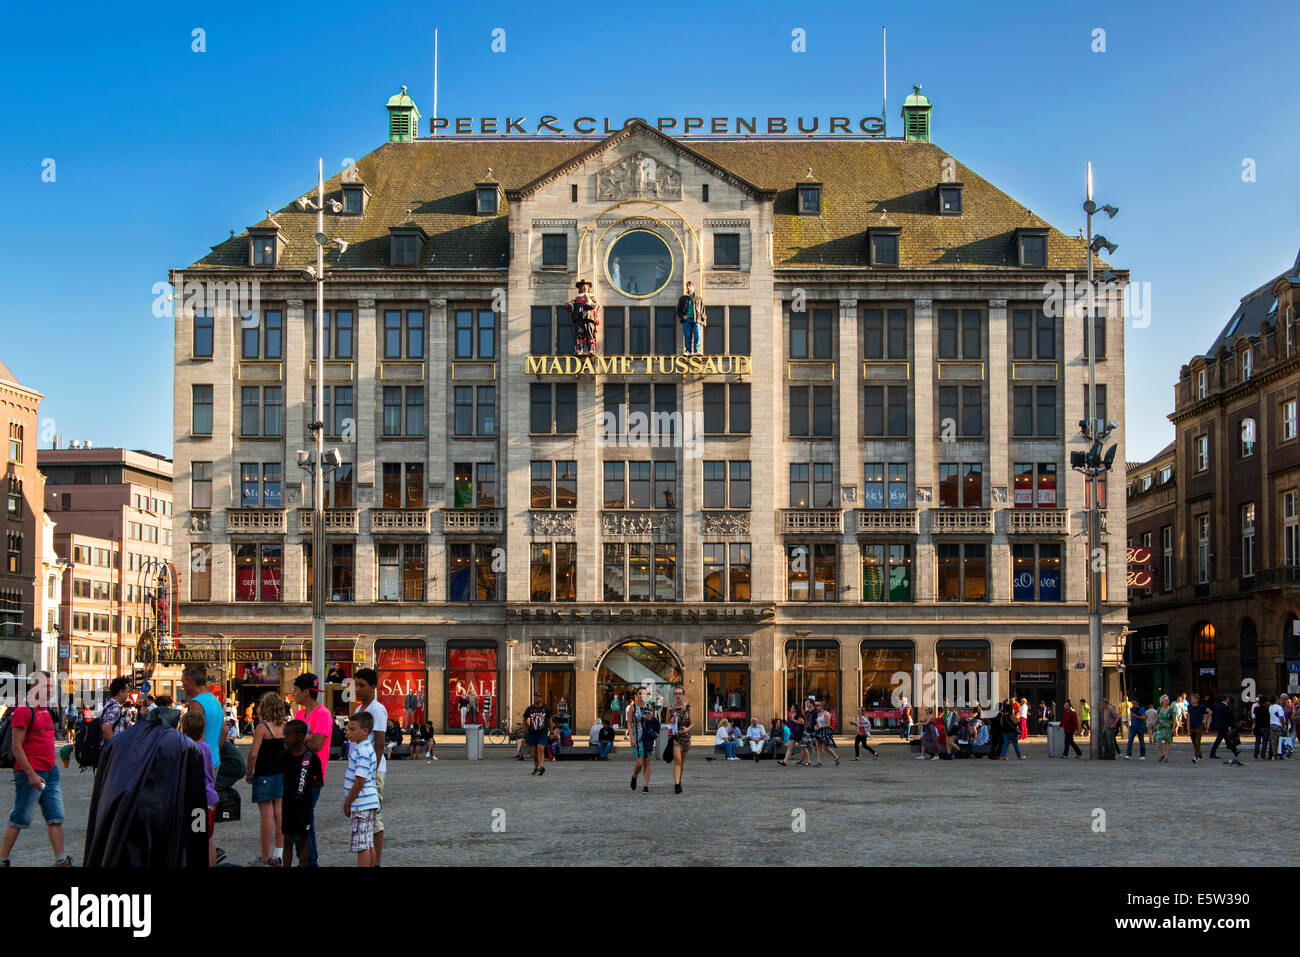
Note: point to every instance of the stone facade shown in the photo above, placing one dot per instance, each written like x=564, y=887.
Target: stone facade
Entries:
x=755, y=653
x=20, y=571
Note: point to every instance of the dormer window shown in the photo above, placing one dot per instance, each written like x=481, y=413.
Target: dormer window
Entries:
x=354, y=199
x=1031, y=247
x=486, y=199
x=950, y=199
x=810, y=199
x=882, y=245
x=1202, y=384
x=406, y=244
x=264, y=246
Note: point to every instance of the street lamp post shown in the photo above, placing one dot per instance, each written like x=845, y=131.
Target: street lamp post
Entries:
x=318, y=461
x=1093, y=464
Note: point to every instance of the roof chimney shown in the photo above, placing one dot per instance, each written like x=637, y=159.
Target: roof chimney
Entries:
x=403, y=118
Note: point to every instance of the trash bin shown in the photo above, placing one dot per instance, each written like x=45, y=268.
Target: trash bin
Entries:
x=1055, y=739
x=473, y=742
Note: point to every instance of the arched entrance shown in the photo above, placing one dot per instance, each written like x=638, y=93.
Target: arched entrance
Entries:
x=632, y=664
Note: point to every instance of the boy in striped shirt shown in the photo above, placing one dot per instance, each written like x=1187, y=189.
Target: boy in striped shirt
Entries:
x=361, y=800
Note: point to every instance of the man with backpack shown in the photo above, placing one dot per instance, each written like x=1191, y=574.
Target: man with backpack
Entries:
x=114, y=717
x=27, y=745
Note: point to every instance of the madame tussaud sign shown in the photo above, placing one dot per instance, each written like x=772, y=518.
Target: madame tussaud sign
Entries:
x=637, y=365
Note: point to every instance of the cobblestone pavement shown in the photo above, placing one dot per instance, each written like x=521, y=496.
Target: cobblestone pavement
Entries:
x=893, y=811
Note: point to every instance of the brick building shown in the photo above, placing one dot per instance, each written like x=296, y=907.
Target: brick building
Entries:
x=864, y=474
x=1221, y=509
x=20, y=574
x=113, y=513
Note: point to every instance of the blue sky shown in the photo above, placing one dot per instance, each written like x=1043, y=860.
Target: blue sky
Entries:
x=161, y=151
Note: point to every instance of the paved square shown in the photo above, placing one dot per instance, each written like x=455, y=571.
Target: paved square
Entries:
x=895, y=811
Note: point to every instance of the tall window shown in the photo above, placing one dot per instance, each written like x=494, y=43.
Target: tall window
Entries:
x=200, y=485
x=200, y=417
x=553, y=574
x=401, y=571
x=885, y=410
x=1203, y=549
x=726, y=249
x=1099, y=332
x=726, y=408
x=403, y=485
x=404, y=409
x=1033, y=335
x=1034, y=410
x=549, y=336
x=812, y=486
x=474, y=485
x=342, y=580
x=961, y=411
x=201, y=572
x=1202, y=453
x=15, y=553
x=884, y=334
x=961, y=334
x=886, y=572
x=203, y=335
x=403, y=334
x=879, y=493
x=812, y=410
x=1248, y=540
x=1291, y=527
x=727, y=568
x=962, y=572
x=471, y=571
x=555, y=249
x=14, y=504
x=1036, y=572
x=553, y=408
x=961, y=485
x=337, y=410
x=262, y=410
x=258, y=572
x=640, y=571
x=1247, y=438
x=264, y=339
x=726, y=484
x=812, y=338
x=1288, y=419
x=260, y=485
x=338, y=341
x=1167, y=557
x=811, y=572
x=554, y=484
x=728, y=331
x=1100, y=413
x=475, y=334
x=640, y=485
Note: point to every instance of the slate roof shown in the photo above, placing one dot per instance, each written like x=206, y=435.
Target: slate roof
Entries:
x=865, y=183
x=1255, y=307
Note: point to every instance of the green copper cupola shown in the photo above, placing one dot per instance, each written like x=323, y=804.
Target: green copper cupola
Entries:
x=403, y=118
x=916, y=117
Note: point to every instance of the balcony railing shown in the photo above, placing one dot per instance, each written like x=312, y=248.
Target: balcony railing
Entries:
x=262, y=521
x=1040, y=521
x=483, y=521
x=823, y=521
x=338, y=521
x=413, y=521
x=901, y=520
x=1279, y=577
x=961, y=521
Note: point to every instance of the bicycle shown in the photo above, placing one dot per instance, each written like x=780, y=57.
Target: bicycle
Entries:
x=502, y=736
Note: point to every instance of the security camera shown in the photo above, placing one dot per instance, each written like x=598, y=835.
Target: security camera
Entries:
x=335, y=206
x=304, y=204
x=308, y=273
x=332, y=459
x=304, y=458
x=343, y=245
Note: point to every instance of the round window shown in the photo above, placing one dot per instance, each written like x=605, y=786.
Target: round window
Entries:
x=639, y=263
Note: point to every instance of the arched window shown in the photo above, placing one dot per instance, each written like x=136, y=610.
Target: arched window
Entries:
x=1204, y=646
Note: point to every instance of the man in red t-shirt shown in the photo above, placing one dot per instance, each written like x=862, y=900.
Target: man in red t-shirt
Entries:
x=36, y=773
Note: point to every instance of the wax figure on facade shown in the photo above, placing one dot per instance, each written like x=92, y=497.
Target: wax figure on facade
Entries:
x=691, y=314
x=584, y=313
